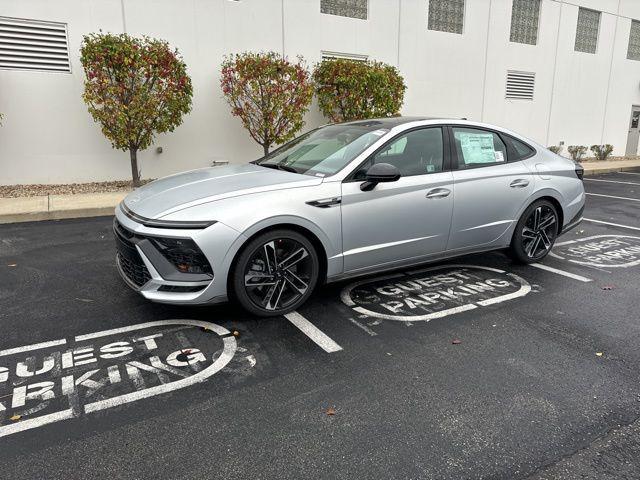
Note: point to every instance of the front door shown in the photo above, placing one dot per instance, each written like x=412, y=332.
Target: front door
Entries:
x=401, y=220
x=634, y=132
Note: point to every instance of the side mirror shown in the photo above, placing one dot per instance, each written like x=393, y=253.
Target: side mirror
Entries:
x=380, y=173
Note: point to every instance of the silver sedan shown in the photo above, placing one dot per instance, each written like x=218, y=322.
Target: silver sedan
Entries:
x=343, y=201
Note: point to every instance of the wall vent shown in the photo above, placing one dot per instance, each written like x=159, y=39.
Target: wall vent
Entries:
x=520, y=85
x=344, y=56
x=33, y=45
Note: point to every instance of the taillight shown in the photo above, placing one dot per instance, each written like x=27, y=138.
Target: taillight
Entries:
x=579, y=171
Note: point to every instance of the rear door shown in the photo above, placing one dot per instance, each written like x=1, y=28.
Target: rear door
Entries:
x=491, y=184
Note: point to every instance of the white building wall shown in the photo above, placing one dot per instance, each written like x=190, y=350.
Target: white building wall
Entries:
x=49, y=137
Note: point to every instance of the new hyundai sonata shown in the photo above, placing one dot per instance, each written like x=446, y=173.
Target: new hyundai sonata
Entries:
x=341, y=201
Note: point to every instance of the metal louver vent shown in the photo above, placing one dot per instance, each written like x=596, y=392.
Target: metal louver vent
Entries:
x=520, y=85
x=33, y=45
x=344, y=56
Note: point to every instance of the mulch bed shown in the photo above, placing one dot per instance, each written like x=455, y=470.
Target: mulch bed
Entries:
x=12, y=191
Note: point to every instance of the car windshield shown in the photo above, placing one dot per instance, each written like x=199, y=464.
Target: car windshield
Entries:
x=324, y=151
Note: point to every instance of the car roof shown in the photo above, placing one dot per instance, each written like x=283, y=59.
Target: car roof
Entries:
x=390, y=122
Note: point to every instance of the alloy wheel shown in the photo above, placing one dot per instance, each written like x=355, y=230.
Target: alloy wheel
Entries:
x=278, y=274
x=539, y=232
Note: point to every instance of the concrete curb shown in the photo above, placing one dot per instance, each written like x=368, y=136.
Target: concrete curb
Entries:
x=597, y=171
x=56, y=215
x=57, y=207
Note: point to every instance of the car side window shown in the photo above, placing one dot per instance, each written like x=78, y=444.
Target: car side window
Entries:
x=478, y=148
x=417, y=152
x=521, y=149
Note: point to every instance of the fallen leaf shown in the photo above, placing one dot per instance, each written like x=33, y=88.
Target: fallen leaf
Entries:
x=456, y=341
x=236, y=333
x=12, y=265
x=331, y=411
x=599, y=354
x=15, y=418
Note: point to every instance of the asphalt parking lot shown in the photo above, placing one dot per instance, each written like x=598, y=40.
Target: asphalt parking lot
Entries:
x=473, y=368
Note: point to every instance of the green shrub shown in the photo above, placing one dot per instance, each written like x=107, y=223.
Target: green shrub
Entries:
x=577, y=152
x=557, y=149
x=269, y=93
x=355, y=90
x=602, y=152
x=134, y=88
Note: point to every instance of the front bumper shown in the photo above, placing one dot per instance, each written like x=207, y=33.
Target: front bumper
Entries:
x=153, y=273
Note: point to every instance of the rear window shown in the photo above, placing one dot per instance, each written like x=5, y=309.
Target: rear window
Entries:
x=520, y=149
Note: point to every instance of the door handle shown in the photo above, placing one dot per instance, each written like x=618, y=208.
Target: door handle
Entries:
x=438, y=193
x=519, y=183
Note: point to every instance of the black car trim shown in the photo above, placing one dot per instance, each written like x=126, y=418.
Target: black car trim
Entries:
x=165, y=268
x=175, y=224
x=575, y=221
x=326, y=202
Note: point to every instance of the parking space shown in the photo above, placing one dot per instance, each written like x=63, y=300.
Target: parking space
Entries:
x=472, y=368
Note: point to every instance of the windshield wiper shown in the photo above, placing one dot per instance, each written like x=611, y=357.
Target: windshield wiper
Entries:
x=279, y=166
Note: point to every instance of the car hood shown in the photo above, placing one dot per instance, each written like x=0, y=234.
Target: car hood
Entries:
x=171, y=194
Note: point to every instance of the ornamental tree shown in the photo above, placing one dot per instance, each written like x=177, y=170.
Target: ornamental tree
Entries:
x=268, y=93
x=355, y=90
x=135, y=88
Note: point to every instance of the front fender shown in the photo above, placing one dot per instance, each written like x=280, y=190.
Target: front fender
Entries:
x=332, y=246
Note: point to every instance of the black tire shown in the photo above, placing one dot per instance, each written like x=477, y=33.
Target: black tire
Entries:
x=268, y=286
x=532, y=241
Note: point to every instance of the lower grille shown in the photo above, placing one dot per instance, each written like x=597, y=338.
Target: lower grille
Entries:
x=136, y=272
x=129, y=259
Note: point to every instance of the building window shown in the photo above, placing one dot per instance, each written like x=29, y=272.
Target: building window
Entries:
x=520, y=85
x=33, y=45
x=633, y=53
x=345, y=8
x=446, y=15
x=587, y=30
x=525, y=15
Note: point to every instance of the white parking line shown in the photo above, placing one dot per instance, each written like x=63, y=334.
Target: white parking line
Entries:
x=609, y=181
x=612, y=224
x=363, y=327
x=311, y=331
x=611, y=196
x=561, y=272
x=630, y=173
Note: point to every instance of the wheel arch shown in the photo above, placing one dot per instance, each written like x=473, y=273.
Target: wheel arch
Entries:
x=305, y=228
x=555, y=202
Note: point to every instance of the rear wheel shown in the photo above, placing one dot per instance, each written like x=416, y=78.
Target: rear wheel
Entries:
x=275, y=273
x=535, y=233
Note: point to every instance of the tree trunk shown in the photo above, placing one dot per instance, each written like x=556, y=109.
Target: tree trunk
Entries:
x=265, y=147
x=135, y=173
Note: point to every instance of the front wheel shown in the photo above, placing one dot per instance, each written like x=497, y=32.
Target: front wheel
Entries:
x=275, y=273
x=535, y=233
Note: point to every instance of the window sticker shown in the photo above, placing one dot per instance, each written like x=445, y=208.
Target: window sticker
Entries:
x=499, y=156
x=477, y=147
